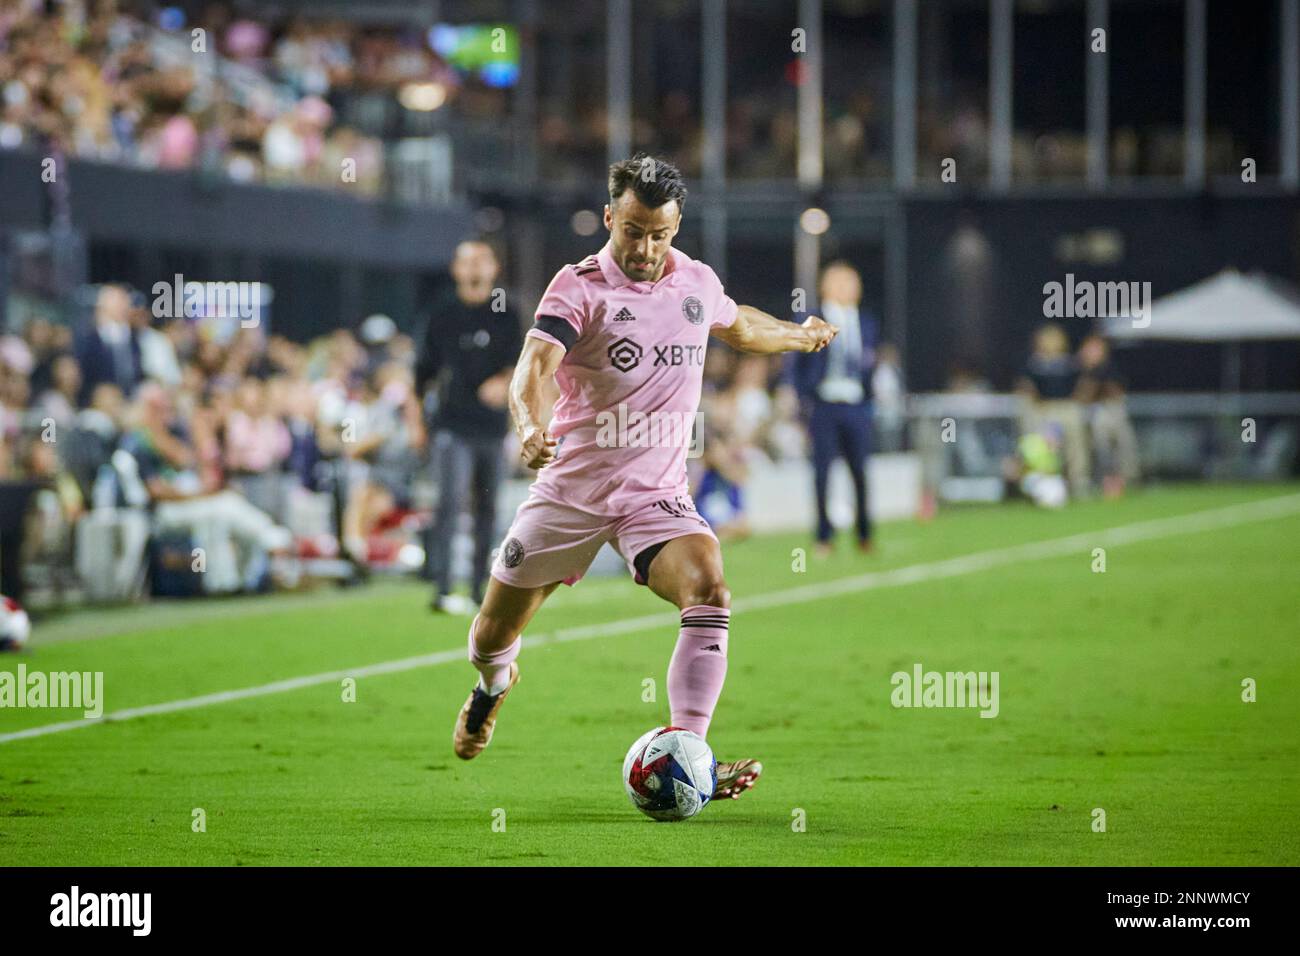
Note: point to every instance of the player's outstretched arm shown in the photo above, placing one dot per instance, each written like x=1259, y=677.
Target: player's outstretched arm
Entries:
x=756, y=331
x=536, y=366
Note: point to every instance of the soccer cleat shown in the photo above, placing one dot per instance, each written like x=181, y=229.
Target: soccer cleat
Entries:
x=735, y=778
x=478, y=718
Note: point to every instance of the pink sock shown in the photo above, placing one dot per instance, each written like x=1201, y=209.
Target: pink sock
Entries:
x=494, y=665
x=698, y=667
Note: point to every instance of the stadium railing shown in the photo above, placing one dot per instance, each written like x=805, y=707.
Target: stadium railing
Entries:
x=963, y=437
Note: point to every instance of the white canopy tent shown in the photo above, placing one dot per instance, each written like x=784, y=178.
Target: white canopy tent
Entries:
x=1228, y=308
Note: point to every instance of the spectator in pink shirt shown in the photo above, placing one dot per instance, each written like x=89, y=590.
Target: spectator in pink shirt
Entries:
x=257, y=443
x=178, y=143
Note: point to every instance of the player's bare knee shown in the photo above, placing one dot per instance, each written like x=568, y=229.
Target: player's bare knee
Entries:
x=710, y=590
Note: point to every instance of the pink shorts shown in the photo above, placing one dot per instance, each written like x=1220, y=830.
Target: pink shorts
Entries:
x=549, y=542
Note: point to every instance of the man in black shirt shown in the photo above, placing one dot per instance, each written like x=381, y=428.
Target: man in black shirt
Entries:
x=470, y=346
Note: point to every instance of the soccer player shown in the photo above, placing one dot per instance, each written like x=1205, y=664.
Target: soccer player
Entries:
x=623, y=333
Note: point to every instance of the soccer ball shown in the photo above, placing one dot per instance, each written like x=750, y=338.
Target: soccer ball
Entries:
x=15, y=627
x=670, y=773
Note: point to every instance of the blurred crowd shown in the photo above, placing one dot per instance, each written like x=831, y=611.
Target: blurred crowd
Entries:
x=214, y=429
x=268, y=100
x=288, y=98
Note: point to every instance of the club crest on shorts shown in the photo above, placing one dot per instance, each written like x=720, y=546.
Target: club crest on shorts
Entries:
x=512, y=553
x=693, y=309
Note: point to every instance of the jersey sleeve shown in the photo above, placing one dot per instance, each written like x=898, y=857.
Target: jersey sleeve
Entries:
x=561, y=316
x=724, y=306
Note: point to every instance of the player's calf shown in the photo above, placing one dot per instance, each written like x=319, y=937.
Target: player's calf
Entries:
x=688, y=572
x=698, y=667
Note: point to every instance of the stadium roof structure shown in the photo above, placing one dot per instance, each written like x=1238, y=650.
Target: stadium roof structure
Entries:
x=1227, y=307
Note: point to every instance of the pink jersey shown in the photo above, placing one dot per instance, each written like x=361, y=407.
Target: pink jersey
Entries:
x=630, y=380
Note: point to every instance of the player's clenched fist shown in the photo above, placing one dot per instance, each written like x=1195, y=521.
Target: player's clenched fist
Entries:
x=821, y=333
x=538, y=447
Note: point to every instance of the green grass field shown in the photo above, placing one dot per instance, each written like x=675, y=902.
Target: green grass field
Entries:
x=1119, y=690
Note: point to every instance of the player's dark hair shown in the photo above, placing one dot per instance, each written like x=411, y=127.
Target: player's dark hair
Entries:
x=653, y=181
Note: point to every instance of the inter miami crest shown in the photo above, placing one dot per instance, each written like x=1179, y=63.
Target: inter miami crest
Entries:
x=693, y=309
x=625, y=355
x=512, y=553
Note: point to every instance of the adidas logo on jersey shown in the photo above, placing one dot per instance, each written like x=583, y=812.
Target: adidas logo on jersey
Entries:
x=624, y=316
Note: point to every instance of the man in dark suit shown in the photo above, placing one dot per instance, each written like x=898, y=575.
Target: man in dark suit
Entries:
x=834, y=387
x=108, y=350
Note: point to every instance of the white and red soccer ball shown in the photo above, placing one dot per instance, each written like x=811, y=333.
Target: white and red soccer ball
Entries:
x=15, y=626
x=670, y=774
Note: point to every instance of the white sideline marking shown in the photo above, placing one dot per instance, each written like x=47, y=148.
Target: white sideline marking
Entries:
x=1172, y=526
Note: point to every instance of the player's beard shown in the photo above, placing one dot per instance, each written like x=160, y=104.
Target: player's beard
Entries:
x=646, y=275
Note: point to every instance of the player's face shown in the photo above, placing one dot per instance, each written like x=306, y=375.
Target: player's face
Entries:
x=640, y=236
